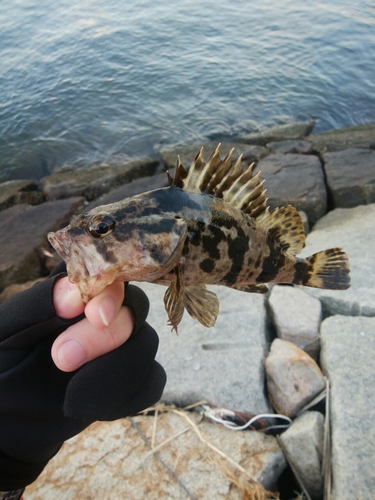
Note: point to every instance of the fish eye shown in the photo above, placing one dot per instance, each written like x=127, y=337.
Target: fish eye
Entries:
x=100, y=226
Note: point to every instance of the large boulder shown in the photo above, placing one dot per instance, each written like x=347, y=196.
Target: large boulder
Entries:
x=353, y=230
x=223, y=365
x=131, y=189
x=347, y=358
x=293, y=378
x=297, y=180
x=303, y=442
x=114, y=460
x=296, y=317
x=19, y=192
x=94, y=181
x=293, y=130
x=350, y=177
x=23, y=231
x=360, y=136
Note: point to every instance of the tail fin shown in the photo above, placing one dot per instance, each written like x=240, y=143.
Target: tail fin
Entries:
x=328, y=269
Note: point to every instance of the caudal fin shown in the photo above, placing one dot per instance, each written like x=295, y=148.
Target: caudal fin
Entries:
x=328, y=269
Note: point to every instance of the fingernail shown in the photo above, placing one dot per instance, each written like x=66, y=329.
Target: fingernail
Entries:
x=107, y=309
x=71, y=354
x=72, y=286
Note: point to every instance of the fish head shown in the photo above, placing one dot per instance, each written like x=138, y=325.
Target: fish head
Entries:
x=109, y=243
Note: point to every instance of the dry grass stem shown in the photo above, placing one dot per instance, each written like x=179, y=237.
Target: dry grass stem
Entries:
x=233, y=471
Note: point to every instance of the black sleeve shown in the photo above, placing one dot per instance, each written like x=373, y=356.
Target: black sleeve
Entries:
x=41, y=406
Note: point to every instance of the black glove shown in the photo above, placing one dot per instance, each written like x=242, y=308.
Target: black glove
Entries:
x=41, y=406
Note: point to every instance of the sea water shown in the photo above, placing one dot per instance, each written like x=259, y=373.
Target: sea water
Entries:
x=92, y=81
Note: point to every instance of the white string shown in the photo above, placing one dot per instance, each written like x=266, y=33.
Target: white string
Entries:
x=209, y=413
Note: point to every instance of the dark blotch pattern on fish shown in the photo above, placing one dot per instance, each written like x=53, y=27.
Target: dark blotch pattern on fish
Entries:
x=108, y=255
x=237, y=248
x=207, y=265
x=210, y=241
x=275, y=260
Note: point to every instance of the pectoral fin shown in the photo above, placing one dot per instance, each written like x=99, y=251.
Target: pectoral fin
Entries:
x=201, y=304
x=174, y=300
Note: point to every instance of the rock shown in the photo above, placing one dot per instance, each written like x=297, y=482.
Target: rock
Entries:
x=94, y=181
x=297, y=180
x=297, y=317
x=294, y=130
x=224, y=364
x=11, y=290
x=23, y=231
x=19, y=192
x=131, y=189
x=304, y=444
x=293, y=378
x=188, y=153
x=353, y=230
x=305, y=221
x=347, y=357
x=111, y=460
x=361, y=136
x=350, y=177
x=291, y=146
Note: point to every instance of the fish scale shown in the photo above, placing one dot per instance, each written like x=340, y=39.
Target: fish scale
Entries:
x=211, y=225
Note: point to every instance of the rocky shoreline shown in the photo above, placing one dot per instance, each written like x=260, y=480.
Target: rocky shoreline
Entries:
x=266, y=353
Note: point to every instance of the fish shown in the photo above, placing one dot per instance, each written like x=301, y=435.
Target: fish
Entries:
x=210, y=226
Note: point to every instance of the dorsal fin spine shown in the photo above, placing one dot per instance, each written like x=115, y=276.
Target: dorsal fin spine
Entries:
x=223, y=179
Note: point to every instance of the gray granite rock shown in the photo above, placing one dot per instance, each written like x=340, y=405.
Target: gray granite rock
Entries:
x=224, y=364
x=293, y=378
x=347, y=357
x=304, y=444
x=131, y=189
x=350, y=177
x=296, y=317
x=297, y=180
x=360, y=136
x=353, y=230
x=23, y=231
x=111, y=460
x=305, y=221
x=94, y=181
x=188, y=153
x=294, y=130
x=297, y=146
x=18, y=192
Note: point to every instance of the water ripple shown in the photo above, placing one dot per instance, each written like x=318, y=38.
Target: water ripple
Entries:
x=89, y=82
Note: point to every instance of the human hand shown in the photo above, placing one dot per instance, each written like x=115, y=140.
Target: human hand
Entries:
x=55, y=399
x=106, y=325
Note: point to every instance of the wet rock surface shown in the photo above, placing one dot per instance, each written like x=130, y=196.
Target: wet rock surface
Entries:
x=23, y=231
x=19, y=192
x=225, y=365
x=350, y=177
x=95, y=181
x=361, y=136
x=297, y=180
x=295, y=130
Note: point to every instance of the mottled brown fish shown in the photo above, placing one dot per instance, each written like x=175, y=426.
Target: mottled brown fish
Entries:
x=210, y=226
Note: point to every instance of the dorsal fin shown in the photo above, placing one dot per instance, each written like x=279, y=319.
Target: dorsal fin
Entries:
x=223, y=179
x=287, y=226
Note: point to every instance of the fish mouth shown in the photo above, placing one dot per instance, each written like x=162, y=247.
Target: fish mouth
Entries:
x=59, y=243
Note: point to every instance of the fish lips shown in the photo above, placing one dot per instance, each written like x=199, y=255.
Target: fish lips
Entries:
x=61, y=243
